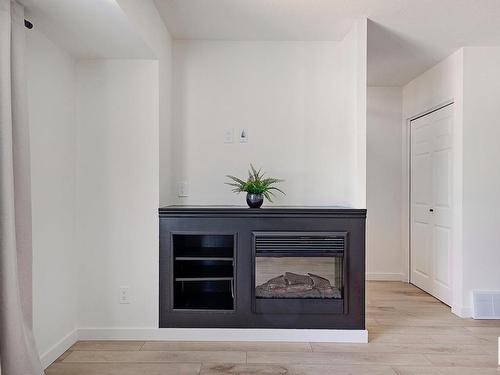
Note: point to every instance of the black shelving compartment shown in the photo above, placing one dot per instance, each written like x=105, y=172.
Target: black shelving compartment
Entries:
x=203, y=272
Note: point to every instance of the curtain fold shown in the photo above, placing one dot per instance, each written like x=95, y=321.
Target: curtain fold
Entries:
x=18, y=355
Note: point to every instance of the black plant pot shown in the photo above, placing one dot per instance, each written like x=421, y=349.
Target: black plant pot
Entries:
x=255, y=200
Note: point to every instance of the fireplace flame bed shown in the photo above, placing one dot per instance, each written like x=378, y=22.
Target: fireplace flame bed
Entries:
x=292, y=285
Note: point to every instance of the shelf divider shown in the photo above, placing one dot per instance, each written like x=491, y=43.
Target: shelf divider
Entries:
x=222, y=259
x=204, y=278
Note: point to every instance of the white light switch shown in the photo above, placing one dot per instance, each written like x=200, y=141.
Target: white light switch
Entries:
x=124, y=295
x=243, y=136
x=229, y=136
x=183, y=189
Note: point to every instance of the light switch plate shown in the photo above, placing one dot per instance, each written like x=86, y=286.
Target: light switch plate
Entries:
x=229, y=136
x=124, y=295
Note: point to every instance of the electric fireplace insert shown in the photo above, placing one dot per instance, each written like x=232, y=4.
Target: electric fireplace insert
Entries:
x=299, y=271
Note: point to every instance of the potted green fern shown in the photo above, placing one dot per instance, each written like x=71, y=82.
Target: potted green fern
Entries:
x=256, y=186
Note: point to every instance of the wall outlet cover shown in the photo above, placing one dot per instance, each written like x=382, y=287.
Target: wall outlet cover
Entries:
x=183, y=189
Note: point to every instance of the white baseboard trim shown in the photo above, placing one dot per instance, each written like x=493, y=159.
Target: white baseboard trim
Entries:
x=59, y=348
x=385, y=276
x=225, y=334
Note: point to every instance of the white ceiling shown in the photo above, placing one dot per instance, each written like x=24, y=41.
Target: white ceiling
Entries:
x=406, y=37
x=257, y=19
x=87, y=29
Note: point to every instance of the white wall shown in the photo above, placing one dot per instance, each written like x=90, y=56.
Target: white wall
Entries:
x=384, y=179
x=304, y=120
x=95, y=167
x=117, y=192
x=51, y=85
x=356, y=41
x=293, y=100
x=481, y=171
x=470, y=77
x=441, y=84
x=280, y=91
x=144, y=15
x=436, y=86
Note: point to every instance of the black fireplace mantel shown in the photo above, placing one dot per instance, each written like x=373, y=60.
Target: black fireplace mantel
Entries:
x=208, y=262
x=271, y=211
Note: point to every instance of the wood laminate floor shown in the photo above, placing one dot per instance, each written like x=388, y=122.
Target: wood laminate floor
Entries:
x=410, y=333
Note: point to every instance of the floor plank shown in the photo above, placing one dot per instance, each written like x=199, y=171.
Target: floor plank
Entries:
x=224, y=346
x=444, y=371
x=107, y=345
x=123, y=369
x=454, y=360
x=408, y=348
x=156, y=356
x=337, y=358
x=259, y=369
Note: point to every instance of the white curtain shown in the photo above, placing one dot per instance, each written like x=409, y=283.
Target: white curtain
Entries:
x=18, y=355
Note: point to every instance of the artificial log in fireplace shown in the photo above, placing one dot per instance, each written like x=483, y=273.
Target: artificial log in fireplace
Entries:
x=234, y=267
x=292, y=285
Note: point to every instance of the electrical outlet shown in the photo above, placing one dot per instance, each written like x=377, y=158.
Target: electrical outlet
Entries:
x=229, y=136
x=244, y=136
x=124, y=295
x=183, y=189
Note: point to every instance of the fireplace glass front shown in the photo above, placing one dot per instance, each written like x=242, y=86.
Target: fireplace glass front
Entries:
x=298, y=277
x=299, y=266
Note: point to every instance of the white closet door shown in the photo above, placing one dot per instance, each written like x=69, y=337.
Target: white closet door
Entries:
x=431, y=203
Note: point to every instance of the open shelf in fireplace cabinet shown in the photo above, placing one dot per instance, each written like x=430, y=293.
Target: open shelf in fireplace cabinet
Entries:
x=203, y=272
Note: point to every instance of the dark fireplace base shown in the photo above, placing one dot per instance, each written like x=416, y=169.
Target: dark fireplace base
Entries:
x=207, y=269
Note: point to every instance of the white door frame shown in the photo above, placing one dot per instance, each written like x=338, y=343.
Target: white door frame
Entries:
x=406, y=214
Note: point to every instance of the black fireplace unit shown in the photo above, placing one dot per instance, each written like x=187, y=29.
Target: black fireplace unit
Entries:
x=286, y=267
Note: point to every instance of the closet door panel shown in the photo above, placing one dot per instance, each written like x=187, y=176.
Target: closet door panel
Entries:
x=431, y=203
